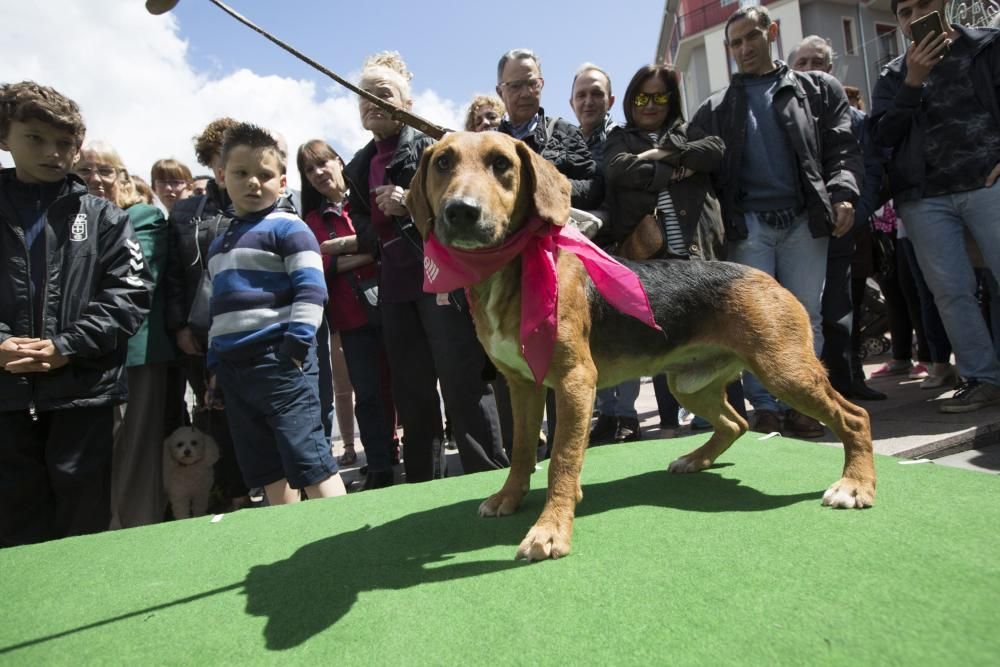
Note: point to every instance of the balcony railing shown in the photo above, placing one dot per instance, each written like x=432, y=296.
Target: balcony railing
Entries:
x=707, y=16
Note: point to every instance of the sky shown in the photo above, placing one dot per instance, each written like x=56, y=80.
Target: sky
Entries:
x=148, y=84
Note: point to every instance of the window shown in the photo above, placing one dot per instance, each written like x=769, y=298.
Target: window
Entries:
x=888, y=43
x=727, y=2
x=850, y=43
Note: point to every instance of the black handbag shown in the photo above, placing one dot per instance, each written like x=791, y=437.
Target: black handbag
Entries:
x=367, y=293
x=199, y=318
x=200, y=315
x=884, y=254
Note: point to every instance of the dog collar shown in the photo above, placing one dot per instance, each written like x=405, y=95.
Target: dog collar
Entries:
x=537, y=243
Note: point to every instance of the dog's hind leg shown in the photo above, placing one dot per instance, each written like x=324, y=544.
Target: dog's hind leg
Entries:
x=527, y=404
x=796, y=377
x=550, y=536
x=712, y=404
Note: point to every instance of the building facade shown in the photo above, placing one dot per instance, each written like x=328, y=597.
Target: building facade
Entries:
x=863, y=34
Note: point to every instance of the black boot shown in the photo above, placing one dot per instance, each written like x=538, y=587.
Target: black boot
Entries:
x=628, y=430
x=604, y=430
x=859, y=389
x=863, y=392
x=379, y=480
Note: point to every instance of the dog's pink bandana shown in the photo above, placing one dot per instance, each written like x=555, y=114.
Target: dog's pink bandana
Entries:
x=447, y=269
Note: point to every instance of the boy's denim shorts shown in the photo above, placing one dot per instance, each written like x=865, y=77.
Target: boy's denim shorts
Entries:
x=273, y=411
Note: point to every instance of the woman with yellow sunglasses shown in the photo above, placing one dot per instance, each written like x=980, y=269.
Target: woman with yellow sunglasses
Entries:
x=659, y=190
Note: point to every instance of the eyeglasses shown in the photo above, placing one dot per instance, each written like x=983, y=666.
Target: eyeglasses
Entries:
x=104, y=172
x=659, y=99
x=173, y=183
x=534, y=85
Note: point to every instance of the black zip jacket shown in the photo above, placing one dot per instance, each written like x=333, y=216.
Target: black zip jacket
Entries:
x=567, y=150
x=634, y=185
x=897, y=118
x=400, y=171
x=96, y=293
x=813, y=110
x=193, y=225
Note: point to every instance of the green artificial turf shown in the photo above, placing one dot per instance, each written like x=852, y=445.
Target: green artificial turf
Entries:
x=739, y=564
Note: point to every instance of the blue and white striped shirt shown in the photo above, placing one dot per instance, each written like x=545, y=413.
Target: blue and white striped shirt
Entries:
x=267, y=286
x=668, y=215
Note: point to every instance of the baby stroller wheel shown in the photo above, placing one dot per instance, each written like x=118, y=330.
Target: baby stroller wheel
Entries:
x=873, y=346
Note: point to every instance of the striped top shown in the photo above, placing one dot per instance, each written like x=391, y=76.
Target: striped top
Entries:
x=668, y=216
x=267, y=287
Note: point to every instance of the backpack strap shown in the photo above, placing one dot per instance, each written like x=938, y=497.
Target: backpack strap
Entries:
x=196, y=219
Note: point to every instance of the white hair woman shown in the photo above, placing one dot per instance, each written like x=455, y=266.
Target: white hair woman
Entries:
x=427, y=338
x=137, y=496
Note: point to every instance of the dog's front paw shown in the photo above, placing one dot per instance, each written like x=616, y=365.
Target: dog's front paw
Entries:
x=850, y=493
x=689, y=463
x=502, y=503
x=545, y=540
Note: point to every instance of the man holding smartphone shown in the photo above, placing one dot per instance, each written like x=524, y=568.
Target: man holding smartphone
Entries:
x=938, y=109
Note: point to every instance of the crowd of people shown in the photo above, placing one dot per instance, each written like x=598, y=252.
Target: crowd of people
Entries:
x=282, y=311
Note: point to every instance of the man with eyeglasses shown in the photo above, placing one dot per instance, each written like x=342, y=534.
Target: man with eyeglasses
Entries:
x=788, y=181
x=519, y=85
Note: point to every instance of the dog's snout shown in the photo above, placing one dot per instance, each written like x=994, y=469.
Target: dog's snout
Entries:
x=462, y=211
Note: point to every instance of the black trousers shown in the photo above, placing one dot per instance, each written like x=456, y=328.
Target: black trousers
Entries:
x=55, y=474
x=903, y=305
x=426, y=342
x=837, y=310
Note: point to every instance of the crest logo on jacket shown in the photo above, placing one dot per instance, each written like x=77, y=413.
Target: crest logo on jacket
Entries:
x=78, y=229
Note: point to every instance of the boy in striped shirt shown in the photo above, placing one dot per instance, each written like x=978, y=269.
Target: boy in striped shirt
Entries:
x=268, y=294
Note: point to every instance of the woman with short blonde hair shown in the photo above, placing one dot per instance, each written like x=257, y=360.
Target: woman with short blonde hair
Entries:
x=137, y=496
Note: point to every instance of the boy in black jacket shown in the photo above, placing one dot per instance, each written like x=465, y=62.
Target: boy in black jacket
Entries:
x=76, y=287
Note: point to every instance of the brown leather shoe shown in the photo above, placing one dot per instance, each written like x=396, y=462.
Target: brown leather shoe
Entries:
x=798, y=425
x=766, y=421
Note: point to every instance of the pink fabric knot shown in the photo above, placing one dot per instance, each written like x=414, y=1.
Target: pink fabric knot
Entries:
x=537, y=243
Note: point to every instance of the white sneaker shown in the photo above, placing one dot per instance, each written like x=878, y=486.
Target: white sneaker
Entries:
x=946, y=380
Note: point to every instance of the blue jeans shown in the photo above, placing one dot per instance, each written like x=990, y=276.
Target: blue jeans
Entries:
x=274, y=416
x=938, y=345
x=798, y=262
x=935, y=226
x=619, y=401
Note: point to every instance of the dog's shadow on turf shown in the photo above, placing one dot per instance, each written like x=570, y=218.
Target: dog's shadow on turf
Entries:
x=301, y=596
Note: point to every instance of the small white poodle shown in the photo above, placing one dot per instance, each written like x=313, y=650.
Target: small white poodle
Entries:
x=188, y=457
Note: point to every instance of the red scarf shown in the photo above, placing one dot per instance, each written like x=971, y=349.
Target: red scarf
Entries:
x=447, y=269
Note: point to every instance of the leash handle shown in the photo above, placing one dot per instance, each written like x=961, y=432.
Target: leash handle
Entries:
x=396, y=113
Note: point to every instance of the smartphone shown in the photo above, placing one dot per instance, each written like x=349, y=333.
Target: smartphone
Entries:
x=927, y=25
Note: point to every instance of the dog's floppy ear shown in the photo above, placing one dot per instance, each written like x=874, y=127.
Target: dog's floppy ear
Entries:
x=550, y=190
x=416, y=198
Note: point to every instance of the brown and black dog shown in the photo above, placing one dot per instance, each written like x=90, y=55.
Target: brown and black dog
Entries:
x=717, y=318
